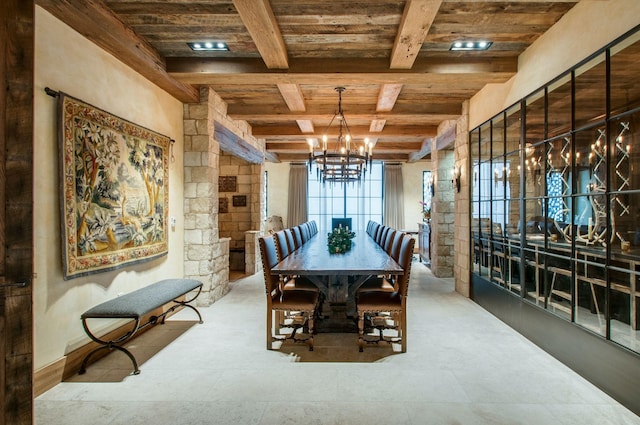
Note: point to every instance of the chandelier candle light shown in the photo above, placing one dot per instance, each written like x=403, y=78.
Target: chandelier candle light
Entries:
x=342, y=164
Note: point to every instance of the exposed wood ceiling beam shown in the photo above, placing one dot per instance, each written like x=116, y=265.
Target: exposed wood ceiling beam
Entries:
x=306, y=126
x=294, y=99
x=387, y=97
x=377, y=125
x=417, y=18
x=380, y=156
x=322, y=112
x=445, y=137
x=380, y=147
x=236, y=145
x=271, y=157
x=425, y=150
x=472, y=79
x=284, y=132
x=445, y=70
x=99, y=24
x=424, y=118
x=259, y=20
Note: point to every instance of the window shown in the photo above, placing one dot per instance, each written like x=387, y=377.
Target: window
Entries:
x=360, y=201
x=266, y=195
x=427, y=190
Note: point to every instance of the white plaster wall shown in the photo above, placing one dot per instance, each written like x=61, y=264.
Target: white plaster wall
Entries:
x=278, y=189
x=412, y=178
x=65, y=61
x=589, y=26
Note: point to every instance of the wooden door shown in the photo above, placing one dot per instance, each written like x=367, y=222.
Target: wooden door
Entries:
x=16, y=211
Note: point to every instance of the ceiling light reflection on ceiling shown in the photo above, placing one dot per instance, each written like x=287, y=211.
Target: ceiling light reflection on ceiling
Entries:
x=208, y=46
x=471, y=45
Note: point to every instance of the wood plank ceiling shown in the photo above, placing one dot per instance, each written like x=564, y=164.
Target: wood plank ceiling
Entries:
x=287, y=56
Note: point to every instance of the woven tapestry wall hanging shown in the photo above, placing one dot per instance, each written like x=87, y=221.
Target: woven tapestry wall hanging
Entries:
x=115, y=199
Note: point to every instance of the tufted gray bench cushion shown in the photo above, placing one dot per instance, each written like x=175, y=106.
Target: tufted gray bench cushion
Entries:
x=142, y=301
x=134, y=306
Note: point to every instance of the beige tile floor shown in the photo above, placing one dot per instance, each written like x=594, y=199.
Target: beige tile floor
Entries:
x=463, y=366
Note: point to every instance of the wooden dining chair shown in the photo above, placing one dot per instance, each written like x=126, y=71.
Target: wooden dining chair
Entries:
x=282, y=245
x=290, y=282
x=281, y=301
x=381, y=235
x=384, y=283
x=304, y=231
x=369, y=227
x=313, y=226
x=394, y=252
x=374, y=230
x=290, y=240
x=297, y=236
x=371, y=303
x=388, y=240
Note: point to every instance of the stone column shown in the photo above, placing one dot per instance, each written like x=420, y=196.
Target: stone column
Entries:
x=253, y=262
x=206, y=255
x=462, y=244
x=258, y=203
x=252, y=259
x=442, y=213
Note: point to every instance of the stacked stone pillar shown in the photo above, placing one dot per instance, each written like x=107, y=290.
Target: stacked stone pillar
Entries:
x=206, y=255
x=442, y=213
x=252, y=260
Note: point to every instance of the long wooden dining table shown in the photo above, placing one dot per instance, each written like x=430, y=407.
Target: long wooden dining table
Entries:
x=338, y=276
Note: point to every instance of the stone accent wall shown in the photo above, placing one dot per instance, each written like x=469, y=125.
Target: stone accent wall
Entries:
x=462, y=245
x=206, y=255
x=239, y=221
x=206, y=250
x=258, y=203
x=234, y=223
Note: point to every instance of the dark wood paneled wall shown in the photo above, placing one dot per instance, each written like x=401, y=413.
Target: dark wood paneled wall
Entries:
x=16, y=210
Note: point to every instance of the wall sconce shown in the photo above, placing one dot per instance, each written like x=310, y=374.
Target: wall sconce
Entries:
x=455, y=178
x=498, y=177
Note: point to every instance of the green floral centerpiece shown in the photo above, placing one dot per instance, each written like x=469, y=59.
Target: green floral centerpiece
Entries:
x=339, y=240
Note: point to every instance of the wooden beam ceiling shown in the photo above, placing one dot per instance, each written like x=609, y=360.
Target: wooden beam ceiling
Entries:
x=286, y=57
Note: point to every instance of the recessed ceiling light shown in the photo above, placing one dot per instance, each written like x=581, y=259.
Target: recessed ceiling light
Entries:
x=208, y=46
x=471, y=45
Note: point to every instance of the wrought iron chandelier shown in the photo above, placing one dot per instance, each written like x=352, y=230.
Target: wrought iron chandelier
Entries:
x=347, y=162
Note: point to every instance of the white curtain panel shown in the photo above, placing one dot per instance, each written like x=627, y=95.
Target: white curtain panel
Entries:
x=393, y=196
x=297, y=209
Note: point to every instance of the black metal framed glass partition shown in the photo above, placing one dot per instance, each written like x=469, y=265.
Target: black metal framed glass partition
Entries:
x=555, y=195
